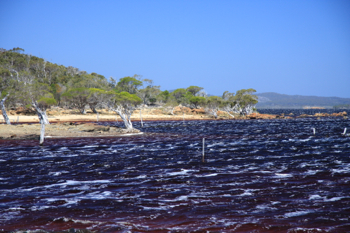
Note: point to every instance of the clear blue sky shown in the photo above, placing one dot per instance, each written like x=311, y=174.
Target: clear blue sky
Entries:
x=291, y=47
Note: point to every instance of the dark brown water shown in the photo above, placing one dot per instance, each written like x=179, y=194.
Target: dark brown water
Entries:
x=258, y=176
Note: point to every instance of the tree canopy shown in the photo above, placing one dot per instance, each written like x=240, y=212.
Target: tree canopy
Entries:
x=27, y=80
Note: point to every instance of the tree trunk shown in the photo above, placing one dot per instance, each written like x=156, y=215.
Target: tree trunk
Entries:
x=230, y=114
x=93, y=108
x=42, y=133
x=43, y=119
x=125, y=118
x=215, y=113
x=3, y=110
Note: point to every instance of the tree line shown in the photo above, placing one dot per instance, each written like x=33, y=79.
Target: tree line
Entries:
x=33, y=82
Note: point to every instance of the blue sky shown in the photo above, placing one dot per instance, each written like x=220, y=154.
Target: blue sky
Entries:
x=290, y=47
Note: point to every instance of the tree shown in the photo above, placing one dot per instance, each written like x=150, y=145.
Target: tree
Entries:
x=179, y=95
x=194, y=89
x=124, y=104
x=77, y=97
x=129, y=84
x=197, y=101
x=149, y=93
x=246, y=100
x=41, y=98
x=3, y=98
x=213, y=105
x=5, y=87
x=227, y=95
x=98, y=98
x=163, y=96
x=242, y=103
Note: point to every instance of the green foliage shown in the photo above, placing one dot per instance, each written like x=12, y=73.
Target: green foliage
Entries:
x=25, y=76
x=29, y=78
x=47, y=101
x=125, y=98
x=197, y=101
x=214, y=102
x=179, y=94
x=164, y=96
x=194, y=89
x=227, y=95
x=128, y=84
x=245, y=97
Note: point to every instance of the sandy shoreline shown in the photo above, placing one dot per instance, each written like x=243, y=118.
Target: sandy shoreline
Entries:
x=68, y=124
x=93, y=118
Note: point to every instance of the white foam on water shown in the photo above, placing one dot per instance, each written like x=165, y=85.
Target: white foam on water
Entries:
x=88, y=146
x=247, y=192
x=334, y=199
x=341, y=170
x=264, y=207
x=315, y=197
x=182, y=172
x=15, y=208
x=70, y=183
x=55, y=173
x=303, y=229
x=296, y=213
x=65, y=219
x=153, y=208
x=37, y=208
x=68, y=156
x=282, y=175
x=98, y=195
x=311, y=172
x=214, y=174
x=64, y=149
x=338, y=162
x=263, y=172
x=275, y=202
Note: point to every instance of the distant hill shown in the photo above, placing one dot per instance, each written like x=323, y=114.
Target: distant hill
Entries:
x=275, y=100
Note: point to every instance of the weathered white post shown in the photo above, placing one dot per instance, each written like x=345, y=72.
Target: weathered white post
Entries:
x=344, y=131
x=314, y=130
x=203, y=150
x=141, y=118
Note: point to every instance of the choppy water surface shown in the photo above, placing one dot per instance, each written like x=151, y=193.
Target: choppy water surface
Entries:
x=258, y=176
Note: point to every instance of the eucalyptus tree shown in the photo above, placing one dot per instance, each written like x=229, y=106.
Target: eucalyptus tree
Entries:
x=213, y=105
x=129, y=84
x=6, y=82
x=77, y=98
x=163, y=96
x=230, y=105
x=124, y=104
x=98, y=98
x=149, y=92
x=197, y=101
x=179, y=94
x=194, y=90
x=242, y=103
